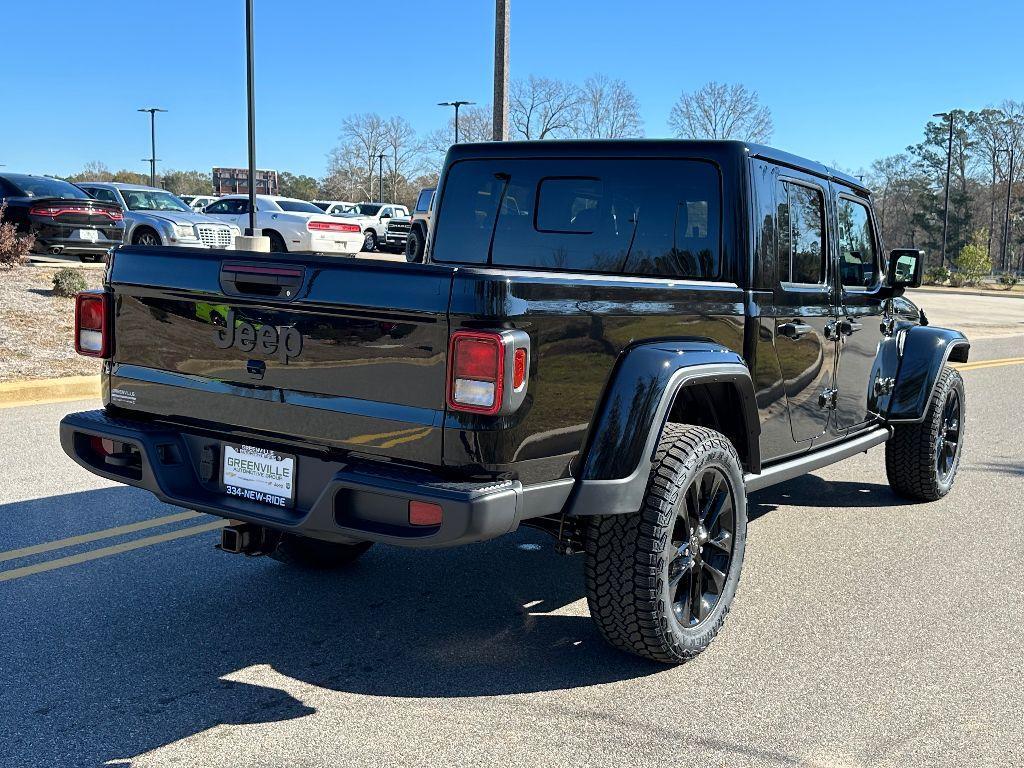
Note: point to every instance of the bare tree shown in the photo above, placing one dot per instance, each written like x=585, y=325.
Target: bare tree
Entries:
x=721, y=111
x=475, y=124
x=543, y=108
x=608, y=109
x=352, y=165
x=404, y=152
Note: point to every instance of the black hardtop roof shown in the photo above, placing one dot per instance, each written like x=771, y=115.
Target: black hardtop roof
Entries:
x=712, y=149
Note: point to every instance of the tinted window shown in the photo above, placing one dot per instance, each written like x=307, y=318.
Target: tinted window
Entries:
x=655, y=217
x=322, y=206
x=103, y=194
x=423, y=201
x=152, y=200
x=36, y=186
x=297, y=206
x=229, y=207
x=367, y=209
x=857, y=258
x=801, y=219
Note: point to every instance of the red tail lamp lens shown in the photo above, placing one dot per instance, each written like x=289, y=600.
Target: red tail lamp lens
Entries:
x=425, y=513
x=519, y=369
x=92, y=336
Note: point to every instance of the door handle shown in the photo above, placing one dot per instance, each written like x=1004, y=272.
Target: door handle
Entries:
x=794, y=329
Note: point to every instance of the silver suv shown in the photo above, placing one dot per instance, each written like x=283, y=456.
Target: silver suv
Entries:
x=156, y=217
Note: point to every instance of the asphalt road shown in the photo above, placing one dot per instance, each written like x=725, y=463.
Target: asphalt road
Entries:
x=866, y=632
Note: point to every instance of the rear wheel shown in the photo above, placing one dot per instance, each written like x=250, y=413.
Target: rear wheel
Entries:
x=277, y=244
x=921, y=460
x=370, y=242
x=314, y=553
x=414, y=247
x=661, y=581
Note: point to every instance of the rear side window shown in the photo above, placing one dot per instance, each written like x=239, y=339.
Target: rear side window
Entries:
x=641, y=217
x=423, y=201
x=858, y=262
x=801, y=233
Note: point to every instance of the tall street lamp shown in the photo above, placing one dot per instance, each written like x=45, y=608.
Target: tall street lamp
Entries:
x=152, y=141
x=1006, y=219
x=455, y=104
x=380, y=178
x=949, y=161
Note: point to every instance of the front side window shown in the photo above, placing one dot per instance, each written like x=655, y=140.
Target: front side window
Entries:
x=801, y=223
x=297, y=206
x=640, y=217
x=106, y=195
x=858, y=260
x=228, y=207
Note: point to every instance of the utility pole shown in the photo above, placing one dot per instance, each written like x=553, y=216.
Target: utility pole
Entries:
x=992, y=206
x=1006, y=219
x=152, y=141
x=252, y=239
x=501, y=40
x=455, y=104
x=949, y=163
x=380, y=178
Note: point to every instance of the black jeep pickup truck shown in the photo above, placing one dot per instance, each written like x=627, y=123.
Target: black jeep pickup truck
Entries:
x=615, y=342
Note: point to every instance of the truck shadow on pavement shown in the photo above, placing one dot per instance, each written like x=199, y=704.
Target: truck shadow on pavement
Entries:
x=813, y=491
x=118, y=656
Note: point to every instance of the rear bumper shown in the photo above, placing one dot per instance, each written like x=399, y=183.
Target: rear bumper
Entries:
x=335, y=500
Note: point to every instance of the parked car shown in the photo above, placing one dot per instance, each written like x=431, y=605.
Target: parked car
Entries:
x=373, y=219
x=291, y=224
x=198, y=202
x=64, y=219
x=613, y=342
x=334, y=207
x=419, y=227
x=156, y=217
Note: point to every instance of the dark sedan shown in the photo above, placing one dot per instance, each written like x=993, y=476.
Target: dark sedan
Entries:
x=64, y=219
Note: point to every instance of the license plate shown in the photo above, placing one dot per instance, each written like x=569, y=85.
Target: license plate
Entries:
x=260, y=475
x=92, y=235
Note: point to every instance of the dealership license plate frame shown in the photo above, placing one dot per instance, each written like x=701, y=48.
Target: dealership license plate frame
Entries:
x=251, y=488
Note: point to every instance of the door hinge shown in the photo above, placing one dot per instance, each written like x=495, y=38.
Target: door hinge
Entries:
x=828, y=398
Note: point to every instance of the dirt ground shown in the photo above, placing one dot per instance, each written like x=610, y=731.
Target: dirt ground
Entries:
x=36, y=326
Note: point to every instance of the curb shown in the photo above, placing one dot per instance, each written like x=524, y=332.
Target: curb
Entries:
x=969, y=292
x=14, y=393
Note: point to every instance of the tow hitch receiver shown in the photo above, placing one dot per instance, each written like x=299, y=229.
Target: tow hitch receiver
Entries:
x=248, y=539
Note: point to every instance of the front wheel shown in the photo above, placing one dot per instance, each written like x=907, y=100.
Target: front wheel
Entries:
x=921, y=460
x=661, y=581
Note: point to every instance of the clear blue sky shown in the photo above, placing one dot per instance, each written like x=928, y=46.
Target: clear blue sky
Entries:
x=846, y=82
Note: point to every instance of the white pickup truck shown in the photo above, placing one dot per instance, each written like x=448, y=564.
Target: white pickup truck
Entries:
x=291, y=224
x=374, y=220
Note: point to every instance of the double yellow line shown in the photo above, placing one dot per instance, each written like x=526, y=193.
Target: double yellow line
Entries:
x=989, y=363
x=115, y=549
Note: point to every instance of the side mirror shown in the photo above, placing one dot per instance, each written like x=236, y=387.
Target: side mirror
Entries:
x=905, y=268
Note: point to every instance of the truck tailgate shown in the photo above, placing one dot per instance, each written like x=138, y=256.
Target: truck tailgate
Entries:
x=343, y=353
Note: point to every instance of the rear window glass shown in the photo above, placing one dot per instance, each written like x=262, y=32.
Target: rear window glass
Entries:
x=641, y=217
x=39, y=186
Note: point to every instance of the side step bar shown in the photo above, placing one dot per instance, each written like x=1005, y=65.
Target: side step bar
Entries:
x=801, y=465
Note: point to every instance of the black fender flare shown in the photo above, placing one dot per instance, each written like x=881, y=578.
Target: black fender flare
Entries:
x=627, y=427
x=922, y=351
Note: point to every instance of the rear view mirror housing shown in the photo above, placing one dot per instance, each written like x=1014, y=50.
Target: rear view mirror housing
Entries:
x=905, y=268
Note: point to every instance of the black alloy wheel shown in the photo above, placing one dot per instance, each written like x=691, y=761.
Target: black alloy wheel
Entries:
x=701, y=547
x=947, y=442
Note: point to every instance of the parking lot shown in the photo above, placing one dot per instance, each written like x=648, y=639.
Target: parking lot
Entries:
x=867, y=632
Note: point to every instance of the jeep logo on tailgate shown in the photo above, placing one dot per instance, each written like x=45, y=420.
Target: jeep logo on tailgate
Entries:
x=284, y=341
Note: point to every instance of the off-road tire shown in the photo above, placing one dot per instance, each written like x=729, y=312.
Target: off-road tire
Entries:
x=316, y=554
x=628, y=556
x=414, y=247
x=912, y=453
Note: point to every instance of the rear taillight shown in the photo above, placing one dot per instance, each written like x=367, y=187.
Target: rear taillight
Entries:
x=53, y=211
x=331, y=226
x=487, y=371
x=92, y=324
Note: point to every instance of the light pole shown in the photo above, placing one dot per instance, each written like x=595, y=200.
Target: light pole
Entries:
x=455, y=104
x=1006, y=219
x=380, y=177
x=949, y=162
x=250, y=72
x=499, y=120
x=152, y=141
